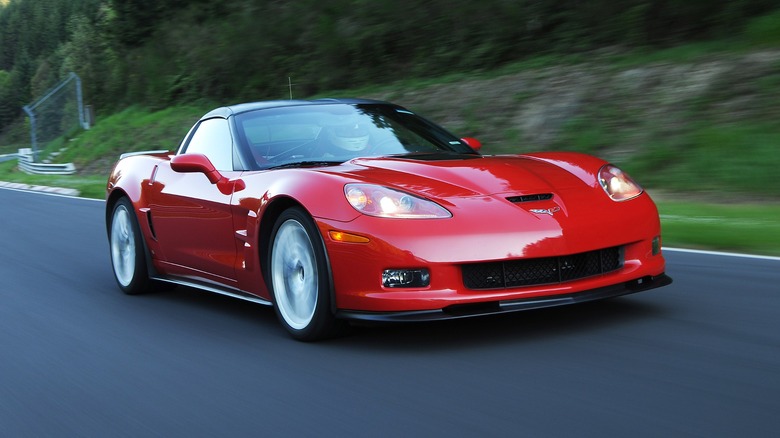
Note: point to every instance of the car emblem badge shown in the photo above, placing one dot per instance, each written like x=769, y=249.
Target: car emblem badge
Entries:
x=549, y=211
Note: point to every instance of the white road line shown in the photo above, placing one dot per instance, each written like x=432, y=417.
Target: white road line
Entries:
x=723, y=254
x=43, y=192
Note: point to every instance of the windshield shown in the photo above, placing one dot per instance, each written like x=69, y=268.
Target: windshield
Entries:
x=334, y=133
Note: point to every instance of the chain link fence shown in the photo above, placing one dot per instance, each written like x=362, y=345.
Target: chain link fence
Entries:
x=56, y=115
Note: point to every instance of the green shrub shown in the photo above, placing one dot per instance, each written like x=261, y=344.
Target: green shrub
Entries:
x=764, y=30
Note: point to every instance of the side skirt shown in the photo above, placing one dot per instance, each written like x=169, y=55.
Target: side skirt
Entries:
x=241, y=295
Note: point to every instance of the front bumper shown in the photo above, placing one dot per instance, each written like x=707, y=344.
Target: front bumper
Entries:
x=496, y=307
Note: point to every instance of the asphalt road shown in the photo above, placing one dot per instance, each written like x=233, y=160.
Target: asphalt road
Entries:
x=79, y=358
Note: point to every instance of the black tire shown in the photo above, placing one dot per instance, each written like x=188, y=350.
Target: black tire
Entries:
x=128, y=254
x=299, y=278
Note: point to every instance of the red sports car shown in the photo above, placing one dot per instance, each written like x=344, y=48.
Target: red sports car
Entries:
x=347, y=209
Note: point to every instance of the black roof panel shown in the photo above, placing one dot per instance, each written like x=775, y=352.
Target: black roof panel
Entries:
x=227, y=111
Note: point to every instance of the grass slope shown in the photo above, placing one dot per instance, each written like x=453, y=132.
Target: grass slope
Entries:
x=718, y=175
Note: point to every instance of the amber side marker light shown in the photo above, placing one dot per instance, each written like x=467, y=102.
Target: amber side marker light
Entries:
x=340, y=236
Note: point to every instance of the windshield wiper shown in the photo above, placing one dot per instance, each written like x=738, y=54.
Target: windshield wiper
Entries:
x=312, y=163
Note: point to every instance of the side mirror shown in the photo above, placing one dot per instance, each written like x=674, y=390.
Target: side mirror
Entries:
x=196, y=163
x=472, y=142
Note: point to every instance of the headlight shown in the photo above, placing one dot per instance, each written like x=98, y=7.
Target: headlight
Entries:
x=381, y=201
x=618, y=185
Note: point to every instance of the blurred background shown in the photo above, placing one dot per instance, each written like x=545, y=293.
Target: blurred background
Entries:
x=685, y=95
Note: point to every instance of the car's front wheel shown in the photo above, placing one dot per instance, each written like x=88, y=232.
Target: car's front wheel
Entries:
x=299, y=278
x=128, y=257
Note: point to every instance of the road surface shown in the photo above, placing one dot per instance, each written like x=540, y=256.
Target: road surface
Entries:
x=78, y=358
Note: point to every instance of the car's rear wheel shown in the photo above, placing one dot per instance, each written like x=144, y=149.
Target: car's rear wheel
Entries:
x=299, y=277
x=128, y=257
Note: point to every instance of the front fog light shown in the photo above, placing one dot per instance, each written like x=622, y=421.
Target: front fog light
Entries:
x=395, y=278
x=656, y=245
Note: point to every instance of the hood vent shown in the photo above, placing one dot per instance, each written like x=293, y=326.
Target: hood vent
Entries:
x=530, y=198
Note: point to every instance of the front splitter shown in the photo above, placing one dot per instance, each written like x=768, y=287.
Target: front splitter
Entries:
x=498, y=307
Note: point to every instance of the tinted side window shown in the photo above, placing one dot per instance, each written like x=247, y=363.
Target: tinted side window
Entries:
x=212, y=139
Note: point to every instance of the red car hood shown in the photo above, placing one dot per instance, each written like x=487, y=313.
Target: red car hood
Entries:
x=515, y=175
x=577, y=218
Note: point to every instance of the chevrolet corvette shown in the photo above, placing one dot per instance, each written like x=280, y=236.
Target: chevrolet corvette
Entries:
x=336, y=210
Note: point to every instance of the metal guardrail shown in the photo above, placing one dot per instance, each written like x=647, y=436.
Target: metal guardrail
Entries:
x=27, y=165
x=7, y=157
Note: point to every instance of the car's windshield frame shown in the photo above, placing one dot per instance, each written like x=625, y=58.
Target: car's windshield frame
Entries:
x=280, y=137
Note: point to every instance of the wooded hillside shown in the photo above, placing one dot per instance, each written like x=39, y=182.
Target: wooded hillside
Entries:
x=156, y=53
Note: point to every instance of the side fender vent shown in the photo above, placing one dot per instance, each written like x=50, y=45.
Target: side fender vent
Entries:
x=151, y=224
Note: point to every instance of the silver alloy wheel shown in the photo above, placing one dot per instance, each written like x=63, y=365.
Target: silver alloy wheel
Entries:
x=294, y=274
x=123, y=251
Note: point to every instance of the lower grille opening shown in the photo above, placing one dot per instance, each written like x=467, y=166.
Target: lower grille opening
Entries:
x=548, y=270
